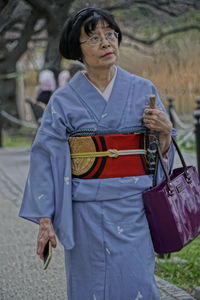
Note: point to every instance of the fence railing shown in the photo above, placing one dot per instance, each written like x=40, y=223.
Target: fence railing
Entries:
x=188, y=130
x=11, y=119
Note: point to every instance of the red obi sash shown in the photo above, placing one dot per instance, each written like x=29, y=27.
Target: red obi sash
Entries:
x=108, y=156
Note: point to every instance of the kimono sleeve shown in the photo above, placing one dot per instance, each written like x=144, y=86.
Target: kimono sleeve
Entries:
x=48, y=159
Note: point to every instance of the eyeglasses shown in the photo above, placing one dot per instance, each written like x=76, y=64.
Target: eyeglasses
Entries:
x=97, y=39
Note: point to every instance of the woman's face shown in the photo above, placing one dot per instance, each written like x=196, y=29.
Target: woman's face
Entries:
x=102, y=54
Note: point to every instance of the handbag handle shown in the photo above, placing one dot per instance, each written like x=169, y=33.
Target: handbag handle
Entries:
x=185, y=169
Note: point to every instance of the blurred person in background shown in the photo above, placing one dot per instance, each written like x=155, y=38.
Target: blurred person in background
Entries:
x=82, y=186
x=46, y=86
x=63, y=78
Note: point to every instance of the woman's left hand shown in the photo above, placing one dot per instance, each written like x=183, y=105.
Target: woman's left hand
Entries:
x=156, y=120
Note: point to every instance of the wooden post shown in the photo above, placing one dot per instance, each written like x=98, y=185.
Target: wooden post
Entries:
x=170, y=108
x=1, y=127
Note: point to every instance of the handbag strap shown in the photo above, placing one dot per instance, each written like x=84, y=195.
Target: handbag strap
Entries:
x=185, y=168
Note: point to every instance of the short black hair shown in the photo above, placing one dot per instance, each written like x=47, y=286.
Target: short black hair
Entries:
x=88, y=18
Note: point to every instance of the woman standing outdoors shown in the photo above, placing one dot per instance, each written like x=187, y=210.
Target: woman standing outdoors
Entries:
x=94, y=205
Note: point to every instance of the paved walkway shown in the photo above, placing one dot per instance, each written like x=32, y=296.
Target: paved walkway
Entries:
x=21, y=274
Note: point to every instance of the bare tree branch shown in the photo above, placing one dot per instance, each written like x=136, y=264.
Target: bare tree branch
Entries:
x=55, y=13
x=161, y=35
x=138, y=48
x=24, y=39
x=6, y=14
x=42, y=7
x=172, y=8
x=123, y=5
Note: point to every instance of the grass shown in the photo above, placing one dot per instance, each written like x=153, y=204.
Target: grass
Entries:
x=189, y=145
x=16, y=142
x=184, y=275
x=22, y=137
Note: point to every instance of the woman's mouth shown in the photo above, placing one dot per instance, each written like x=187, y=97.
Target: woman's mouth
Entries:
x=107, y=54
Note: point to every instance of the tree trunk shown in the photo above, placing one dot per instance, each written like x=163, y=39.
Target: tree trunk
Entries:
x=8, y=87
x=52, y=56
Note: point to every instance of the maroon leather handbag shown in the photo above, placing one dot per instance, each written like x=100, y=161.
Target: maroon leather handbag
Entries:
x=173, y=207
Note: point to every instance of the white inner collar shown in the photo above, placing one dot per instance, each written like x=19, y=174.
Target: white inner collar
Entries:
x=108, y=90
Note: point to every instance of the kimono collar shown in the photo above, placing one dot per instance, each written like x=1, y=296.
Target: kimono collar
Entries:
x=106, y=114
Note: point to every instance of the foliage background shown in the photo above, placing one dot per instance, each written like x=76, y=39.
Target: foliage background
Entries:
x=161, y=42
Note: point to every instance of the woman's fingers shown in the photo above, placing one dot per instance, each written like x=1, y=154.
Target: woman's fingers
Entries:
x=46, y=233
x=52, y=238
x=40, y=249
x=156, y=119
x=41, y=242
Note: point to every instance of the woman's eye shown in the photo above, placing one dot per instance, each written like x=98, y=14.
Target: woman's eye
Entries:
x=109, y=34
x=94, y=38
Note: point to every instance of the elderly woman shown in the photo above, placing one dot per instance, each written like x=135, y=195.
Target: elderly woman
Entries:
x=89, y=167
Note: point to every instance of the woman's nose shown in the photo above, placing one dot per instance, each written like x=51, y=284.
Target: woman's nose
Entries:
x=105, y=42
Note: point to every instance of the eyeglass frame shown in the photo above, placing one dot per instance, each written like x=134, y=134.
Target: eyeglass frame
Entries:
x=115, y=36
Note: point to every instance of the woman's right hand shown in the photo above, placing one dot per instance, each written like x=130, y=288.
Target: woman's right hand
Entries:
x=46, y=233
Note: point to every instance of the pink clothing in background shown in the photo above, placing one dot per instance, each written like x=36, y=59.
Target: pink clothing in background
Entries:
x=46, y=81
x=63, y=78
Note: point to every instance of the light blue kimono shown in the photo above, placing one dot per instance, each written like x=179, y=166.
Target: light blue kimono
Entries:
x=100, y=222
